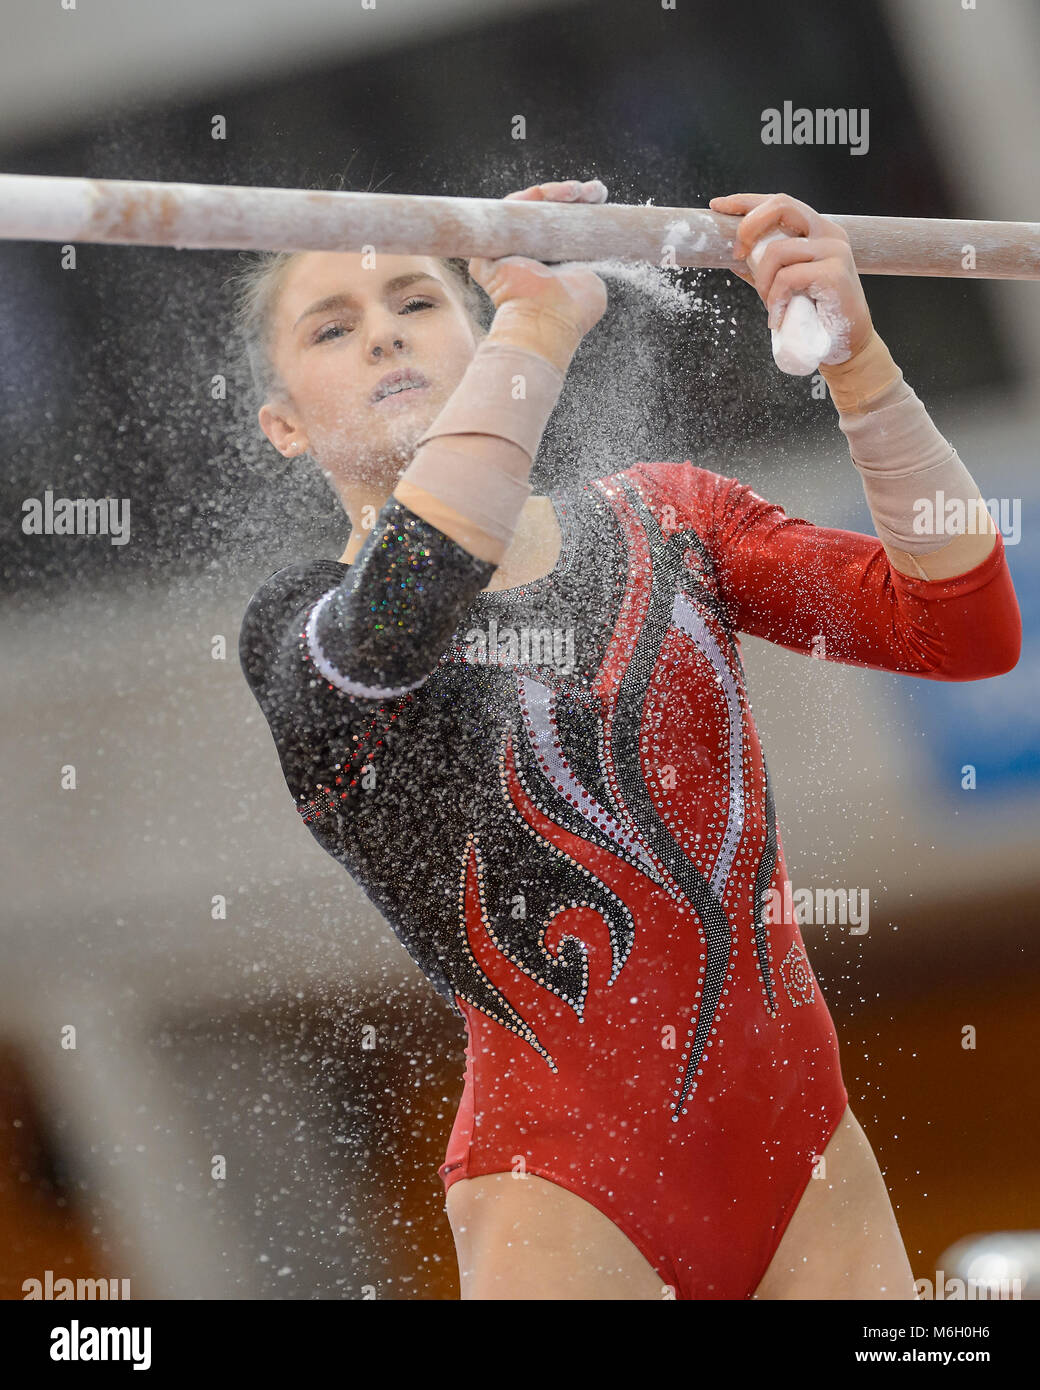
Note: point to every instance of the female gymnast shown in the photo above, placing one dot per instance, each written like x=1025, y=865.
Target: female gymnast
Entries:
x=576, y=852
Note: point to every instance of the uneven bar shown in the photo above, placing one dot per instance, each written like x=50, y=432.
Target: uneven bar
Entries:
x=199, y=216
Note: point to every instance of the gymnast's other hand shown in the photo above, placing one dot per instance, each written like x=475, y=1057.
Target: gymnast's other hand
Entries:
x=568, y=294
x=817, y=260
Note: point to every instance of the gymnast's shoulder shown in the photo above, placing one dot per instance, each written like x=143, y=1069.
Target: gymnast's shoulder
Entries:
x=279, y=603
x=680, y=483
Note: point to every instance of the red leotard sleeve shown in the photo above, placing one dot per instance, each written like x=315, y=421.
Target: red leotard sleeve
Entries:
x=789, y=580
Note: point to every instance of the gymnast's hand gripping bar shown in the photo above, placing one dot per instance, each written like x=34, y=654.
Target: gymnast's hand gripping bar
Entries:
x=202, y=216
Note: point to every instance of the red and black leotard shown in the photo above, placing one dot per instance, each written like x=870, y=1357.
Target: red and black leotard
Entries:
x=575, y=838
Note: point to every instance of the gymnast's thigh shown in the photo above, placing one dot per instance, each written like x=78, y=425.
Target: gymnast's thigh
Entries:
x=843, y=1240
x=529, y=1238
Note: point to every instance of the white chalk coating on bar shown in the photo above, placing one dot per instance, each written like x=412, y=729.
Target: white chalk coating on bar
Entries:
x=45, y=209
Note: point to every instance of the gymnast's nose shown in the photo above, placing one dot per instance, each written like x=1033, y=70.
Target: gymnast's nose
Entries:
x=384, y=341
x=378, y=350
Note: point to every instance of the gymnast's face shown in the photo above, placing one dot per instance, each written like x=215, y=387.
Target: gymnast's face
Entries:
x=338, y=330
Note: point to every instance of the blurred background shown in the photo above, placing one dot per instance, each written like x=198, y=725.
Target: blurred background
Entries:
x=224, y=978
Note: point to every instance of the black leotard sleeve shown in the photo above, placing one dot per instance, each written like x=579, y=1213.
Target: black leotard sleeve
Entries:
x=333, y=655
x=379, y=631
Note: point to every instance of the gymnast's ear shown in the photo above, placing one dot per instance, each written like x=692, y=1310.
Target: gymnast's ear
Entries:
x=283, y=433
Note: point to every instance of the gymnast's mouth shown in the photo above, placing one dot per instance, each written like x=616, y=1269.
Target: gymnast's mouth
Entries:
x=399, y=383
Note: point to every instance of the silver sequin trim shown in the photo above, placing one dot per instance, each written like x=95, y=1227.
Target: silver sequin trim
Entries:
x=337, y=678
x=539, y=701
x=686, y=617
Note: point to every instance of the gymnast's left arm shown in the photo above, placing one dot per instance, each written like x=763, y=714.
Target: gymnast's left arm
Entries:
x=921, y=602
x=905, y=463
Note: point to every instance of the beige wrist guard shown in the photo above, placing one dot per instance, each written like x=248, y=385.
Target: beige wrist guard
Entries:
x=856, y=383
x=487, y=492
x=507, y=391
x=911, y=473
x=507, y=395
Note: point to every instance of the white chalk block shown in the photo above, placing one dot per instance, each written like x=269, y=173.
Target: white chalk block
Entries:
x=801, y=342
